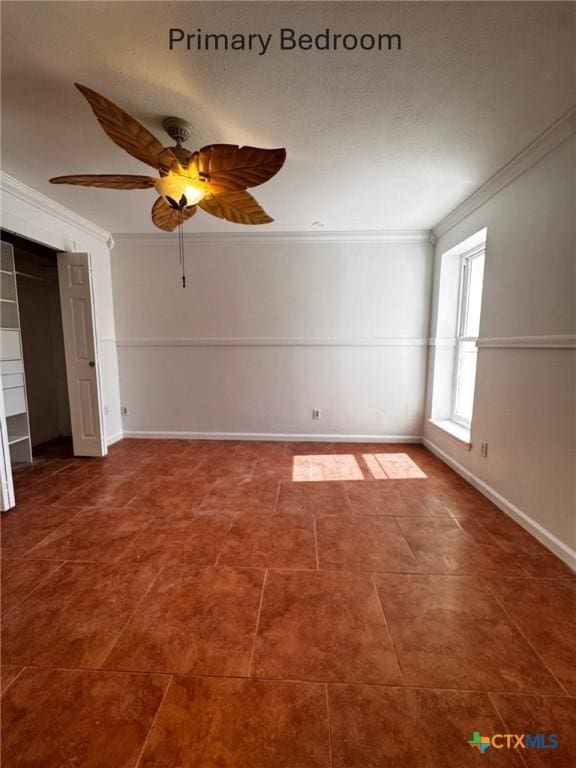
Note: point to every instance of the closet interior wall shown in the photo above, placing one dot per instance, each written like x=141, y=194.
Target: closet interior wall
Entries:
x=43, y=345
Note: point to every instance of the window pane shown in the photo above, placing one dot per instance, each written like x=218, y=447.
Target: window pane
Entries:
x=476, y=276
x=465, y=379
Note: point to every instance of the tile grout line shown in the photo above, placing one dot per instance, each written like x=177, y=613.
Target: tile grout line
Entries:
x=526, y=640
x=82, y=510
x=371, y=570
x=51, y=475
x=128, y=478
x=420, y=571
x=223, y=545
x=466, y=575
x=82, y=485
x=387, y=627
x=153, y=723
x=257, y=623
x=132, y=614
x=16, y=676
x=515, y=559
x=329, y=726
x=130, y=544
x=32, y=501
x=114, y=671
x=316, y=543
x=524, y=574
x=299, y=681
x=60, y=565
x=504, y=723
x=277, y=499
x=157, y=515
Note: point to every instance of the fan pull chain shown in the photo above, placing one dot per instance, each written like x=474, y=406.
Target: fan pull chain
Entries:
x=181, y=249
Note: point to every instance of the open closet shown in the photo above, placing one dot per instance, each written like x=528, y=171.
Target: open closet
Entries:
x=33, y=364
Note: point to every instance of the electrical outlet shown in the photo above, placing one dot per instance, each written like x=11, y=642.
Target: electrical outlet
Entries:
x=106, y=410
x=316, y=413
x=124, y=410
x=484, y=448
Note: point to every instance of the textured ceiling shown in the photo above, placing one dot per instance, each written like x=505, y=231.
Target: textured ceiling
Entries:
x=375, y=140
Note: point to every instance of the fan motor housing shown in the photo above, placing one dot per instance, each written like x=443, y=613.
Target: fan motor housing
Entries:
x=177, y=129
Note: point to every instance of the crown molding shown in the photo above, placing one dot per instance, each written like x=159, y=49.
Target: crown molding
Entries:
x=561, y=130
x=9, y=185
x=366, y=236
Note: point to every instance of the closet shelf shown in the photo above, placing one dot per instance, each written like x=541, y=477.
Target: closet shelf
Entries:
x=12, y=367
x=17, y=439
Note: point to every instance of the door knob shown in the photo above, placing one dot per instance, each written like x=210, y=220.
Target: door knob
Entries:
x=91, y=363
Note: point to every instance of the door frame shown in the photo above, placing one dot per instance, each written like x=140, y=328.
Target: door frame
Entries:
x=7, y=495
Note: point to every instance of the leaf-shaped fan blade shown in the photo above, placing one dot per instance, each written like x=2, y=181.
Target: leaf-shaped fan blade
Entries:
x=127, y=132
x=228, y=168
x=167, y=218
x=239, y=207
x=107, y=181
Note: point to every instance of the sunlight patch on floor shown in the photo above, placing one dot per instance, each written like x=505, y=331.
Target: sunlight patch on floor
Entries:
x=374, y=467
x=394, y=466
x=325, y=468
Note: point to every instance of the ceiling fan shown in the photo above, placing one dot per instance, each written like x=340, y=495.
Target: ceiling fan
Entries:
x=214, y=178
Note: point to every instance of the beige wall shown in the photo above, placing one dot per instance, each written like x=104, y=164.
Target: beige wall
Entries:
x=525, y=391
x=268, y=330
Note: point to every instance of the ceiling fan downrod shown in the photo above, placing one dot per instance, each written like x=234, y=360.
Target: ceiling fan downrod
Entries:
x=180, y=131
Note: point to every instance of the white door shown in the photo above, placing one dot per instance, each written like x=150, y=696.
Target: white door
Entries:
x=81, y=348
x=7, y=499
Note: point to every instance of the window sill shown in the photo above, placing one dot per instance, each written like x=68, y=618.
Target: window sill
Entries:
x=455, y=431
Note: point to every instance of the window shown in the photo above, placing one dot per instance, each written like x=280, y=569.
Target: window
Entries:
x=469, y=304
x=455, y=329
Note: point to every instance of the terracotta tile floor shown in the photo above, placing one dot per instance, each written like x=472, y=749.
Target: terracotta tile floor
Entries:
x=189, y=604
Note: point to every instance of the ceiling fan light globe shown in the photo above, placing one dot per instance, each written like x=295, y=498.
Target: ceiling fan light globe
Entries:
x=193, y=194
x=178, y=191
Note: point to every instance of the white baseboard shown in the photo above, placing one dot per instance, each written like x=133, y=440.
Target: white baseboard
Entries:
x=275, y=436
x=551, y=542
x=111, y=439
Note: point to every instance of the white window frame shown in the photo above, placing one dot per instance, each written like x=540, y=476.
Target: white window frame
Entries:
x=463, y=294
